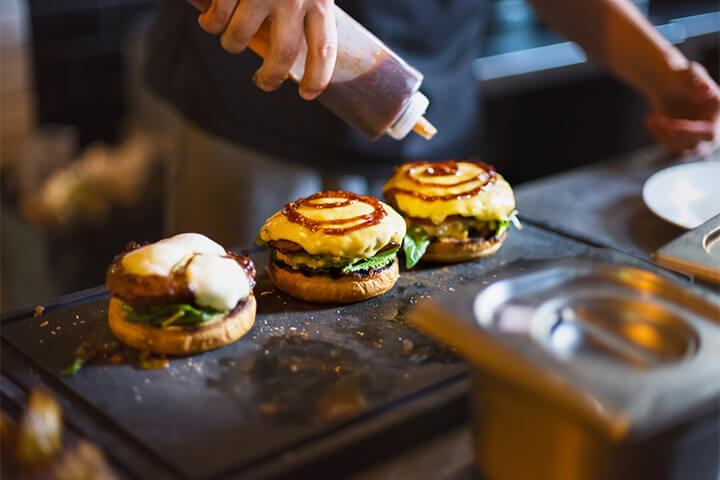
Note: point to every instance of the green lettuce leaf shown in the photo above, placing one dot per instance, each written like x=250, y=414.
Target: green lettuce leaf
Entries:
x=379, y=260
x=84, y=353
x=175, y=314
x=259, y=241
x=502, y=226
x=415, y=244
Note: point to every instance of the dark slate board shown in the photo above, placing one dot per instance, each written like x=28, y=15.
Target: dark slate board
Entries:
x=272, y=401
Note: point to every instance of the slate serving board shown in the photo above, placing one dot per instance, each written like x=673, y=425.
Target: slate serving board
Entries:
x=321, y=387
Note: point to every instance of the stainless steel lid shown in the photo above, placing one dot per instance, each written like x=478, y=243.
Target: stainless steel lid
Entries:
x=625, y=349
x=697, y=252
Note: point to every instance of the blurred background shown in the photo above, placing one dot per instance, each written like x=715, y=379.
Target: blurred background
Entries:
x=83, y=145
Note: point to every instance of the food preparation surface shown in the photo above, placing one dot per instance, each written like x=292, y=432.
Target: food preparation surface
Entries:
x=307, y=380
x=602, y=203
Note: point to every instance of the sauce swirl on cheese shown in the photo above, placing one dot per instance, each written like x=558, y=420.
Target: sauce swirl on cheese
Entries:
x=334, y=226
x=486, y=176
x=437, y=191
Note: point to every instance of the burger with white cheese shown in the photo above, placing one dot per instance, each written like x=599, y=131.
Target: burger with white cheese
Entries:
x=455, y=210
x=184, y=294
x=334, y=247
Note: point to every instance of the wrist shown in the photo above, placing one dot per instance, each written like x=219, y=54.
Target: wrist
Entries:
x=667, y=83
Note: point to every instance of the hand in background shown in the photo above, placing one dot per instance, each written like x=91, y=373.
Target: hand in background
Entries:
x=292, y=21
x=686, y=118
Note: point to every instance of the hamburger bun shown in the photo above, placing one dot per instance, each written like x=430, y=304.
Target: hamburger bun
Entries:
x=184, y=294
x=455, y=210
x=334, y=247
x=319, y=288
x=454, y=251
x=186, y=339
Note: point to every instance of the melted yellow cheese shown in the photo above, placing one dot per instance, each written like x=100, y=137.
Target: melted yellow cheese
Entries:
x=361, y=243
x=217, y=282
x=495, y=201
x=161, y=257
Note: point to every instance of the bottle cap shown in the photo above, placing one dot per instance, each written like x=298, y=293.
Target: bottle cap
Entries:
x=416, y=109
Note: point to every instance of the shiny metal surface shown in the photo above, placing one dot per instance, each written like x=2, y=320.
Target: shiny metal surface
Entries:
x=712, y=244
x=588, y=369
x=697, y=252
x=595, y=314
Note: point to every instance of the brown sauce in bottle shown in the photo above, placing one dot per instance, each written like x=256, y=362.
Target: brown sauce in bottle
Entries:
x=331, y=227
x=441, y=169
x=374, y=100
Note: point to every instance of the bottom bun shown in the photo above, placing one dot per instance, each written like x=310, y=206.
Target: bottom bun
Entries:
x=181, y=340
x=453, y=251
x=326, y=289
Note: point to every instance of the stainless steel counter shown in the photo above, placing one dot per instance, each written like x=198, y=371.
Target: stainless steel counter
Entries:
x=602, y=203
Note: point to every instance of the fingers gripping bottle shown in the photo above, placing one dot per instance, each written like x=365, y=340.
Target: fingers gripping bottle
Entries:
x=371, y=89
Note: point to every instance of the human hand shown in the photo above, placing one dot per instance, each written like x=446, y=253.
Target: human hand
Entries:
x=685, y=118
x=292, y=21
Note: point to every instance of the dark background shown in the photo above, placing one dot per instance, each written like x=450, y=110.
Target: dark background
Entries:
x=79, y=78
x=546, y=122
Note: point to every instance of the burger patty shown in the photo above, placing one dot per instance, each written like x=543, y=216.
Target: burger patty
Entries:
x=295, y=256
x=491, y=240
x=286, y=246
x=331, y=272
x=145, y=291
x=456, y=227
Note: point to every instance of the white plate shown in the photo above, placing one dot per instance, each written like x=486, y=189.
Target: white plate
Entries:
x=686, y=195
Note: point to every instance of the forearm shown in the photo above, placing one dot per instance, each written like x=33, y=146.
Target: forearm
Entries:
x=615, y=34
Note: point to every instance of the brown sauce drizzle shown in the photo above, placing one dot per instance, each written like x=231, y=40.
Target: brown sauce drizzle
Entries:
x=442, y=169
x=330, y=227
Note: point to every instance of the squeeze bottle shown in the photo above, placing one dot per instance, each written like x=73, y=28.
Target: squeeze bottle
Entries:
x=371, y=88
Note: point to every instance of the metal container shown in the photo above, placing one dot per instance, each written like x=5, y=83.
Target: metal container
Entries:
x=588, y=370
x=696, y=253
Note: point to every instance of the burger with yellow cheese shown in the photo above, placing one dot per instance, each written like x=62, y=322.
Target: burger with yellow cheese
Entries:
x=184, y=294
x=334, y=247
x=455, y=210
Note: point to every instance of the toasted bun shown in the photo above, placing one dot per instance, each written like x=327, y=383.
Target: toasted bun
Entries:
x=453, y=251
x=325, y=289
x=182, y=340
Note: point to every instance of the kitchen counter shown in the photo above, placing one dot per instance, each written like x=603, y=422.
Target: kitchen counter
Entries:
x=598, y=205
x=602, y=203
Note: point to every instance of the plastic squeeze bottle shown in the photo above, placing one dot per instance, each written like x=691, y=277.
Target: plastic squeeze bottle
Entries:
x=371, y=88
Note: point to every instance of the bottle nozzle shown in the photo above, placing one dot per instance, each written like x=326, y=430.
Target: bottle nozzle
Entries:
x=412, y=119
x=424, y=128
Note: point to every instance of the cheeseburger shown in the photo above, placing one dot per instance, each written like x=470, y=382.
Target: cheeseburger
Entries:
x=334, y=247
x=455, y=211
x=185, y=294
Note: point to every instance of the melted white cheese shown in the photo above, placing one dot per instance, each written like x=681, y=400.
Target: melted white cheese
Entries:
x=495, y=201
x=361, y=243
x=217, y=282
x=161, y=257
